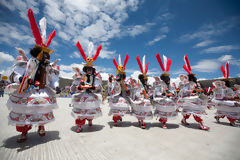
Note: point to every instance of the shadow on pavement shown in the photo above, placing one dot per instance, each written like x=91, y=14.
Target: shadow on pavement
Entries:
x=86, y=128
x=136, y=124
x=195, y=126
x=169, y=125
x=33, y=140
x=120, y=124
x=227, y=124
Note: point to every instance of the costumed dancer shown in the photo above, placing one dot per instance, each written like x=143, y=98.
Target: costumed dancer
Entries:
x=209, y=93
x=140, y=95
x=87, y=99
x=164, y=97
x=119, y=93
x=237, y=91
x=19, y=67
x=54, y=76
x=191, y=98
x=227, y=102
x=33, y=101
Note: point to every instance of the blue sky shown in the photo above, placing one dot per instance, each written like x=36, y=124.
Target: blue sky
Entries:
x=207, y=30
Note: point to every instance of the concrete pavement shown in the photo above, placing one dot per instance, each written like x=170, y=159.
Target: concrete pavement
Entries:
x=103, y=141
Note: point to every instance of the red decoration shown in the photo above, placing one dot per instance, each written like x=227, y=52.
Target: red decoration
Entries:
x=34, y=27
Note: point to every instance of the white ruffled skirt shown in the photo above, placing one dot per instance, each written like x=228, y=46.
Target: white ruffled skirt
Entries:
x=119, y=106
x=142, y=109
x=34, y=107
x=227, y=108
x=86, y=105
x=193, y=105
x=165, y=108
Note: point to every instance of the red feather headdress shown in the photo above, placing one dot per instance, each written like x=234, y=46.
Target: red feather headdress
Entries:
x=167, y=64
x=143, y=68
x=120, y=67
x=187, y=66
x=89, y=59
x=37, y=35
x=225, y=70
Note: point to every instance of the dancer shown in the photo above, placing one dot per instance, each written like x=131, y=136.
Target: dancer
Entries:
x=33, y=99
x=118, y=100
x=140, y=96
x=19, y=67
x=227, y=102
x=54, y=76
x=164, y=97
x=191, y=97
x=88, y=86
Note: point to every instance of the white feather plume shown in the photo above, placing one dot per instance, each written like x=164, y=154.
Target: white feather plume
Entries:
x=143, y=64
x=165, y=61
x=119, y=60
x=90, y=49
x=43, y=27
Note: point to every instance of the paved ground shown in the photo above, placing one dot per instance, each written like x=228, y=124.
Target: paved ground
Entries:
x=128, y=142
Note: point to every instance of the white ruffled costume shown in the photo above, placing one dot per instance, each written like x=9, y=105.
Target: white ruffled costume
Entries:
x=225, y=99
x=225, y=103
x=86, y=105
x=32, y=101
x=118, y=92
x=119, y=103
x=34, y=106
x=87, y=87
x=165, y=107
x=192, y=103
x=141, y=107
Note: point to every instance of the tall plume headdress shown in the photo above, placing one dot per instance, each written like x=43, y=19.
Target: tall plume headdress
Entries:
x=120, y=68
x=89, y=59
x=225, y=70
x=40, y=40
x=187, y=66
x=143, y=68
x=167, y=64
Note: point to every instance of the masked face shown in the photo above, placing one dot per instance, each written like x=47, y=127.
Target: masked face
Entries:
x=88, y=70
x=121, y=68
x=192, y=78
x=46, y=57
x=89, y=60
x=166, y=79
x=143, y=79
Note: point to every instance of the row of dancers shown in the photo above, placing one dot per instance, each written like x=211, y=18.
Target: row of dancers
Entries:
x=35, y=85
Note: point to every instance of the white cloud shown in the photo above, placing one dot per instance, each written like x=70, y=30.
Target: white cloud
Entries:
x=66, y=71
x=221, y=49
x=107, y=54
x=179, y=71
x=77, y=20
x=13, y=34
x=203, y=43
x=135, y=74
x=231, y=60
x=208, y=31
x=75, y=55
x=206, y=65
x=96, y=21
x=155, y=40
x=137, y=29
x=4, y=57
x=85, y=20
x=21, y=6
x=166, y=16
x=212, y=65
